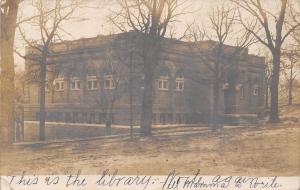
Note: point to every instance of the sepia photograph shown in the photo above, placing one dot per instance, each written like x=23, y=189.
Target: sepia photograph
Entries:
x=141, y=94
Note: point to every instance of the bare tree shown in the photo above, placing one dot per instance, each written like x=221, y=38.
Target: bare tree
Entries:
x=268, y=77
x=8, y=18
x=112, y=90
x=51, y=16
x=261, y=28
x=20, y=82
x=152, y=18
x=114, y=76
x=296, y=37
x=296, y=33
x=221, y=58
x=290, y=66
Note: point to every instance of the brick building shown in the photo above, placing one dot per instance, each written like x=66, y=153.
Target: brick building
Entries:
x=86, y=77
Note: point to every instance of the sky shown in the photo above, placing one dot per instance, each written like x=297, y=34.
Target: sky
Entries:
x=92, y=20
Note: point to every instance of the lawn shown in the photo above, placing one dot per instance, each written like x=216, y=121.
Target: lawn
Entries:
x=265, y=150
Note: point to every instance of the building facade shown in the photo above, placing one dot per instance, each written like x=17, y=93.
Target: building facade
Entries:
x=87, y=79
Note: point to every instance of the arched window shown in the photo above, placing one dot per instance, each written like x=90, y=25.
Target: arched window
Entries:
x=179, y=80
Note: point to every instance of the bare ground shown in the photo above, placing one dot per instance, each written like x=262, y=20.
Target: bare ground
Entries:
x=268, y=150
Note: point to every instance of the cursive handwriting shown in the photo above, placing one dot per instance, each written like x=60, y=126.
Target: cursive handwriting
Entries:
x=107, y=179
x=173, y=181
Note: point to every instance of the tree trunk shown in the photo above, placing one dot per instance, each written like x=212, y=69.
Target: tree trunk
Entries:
x=52, y=94
x=274, y=118
x=108, y=122
x=146, y=118
x=42, y=95
x=216, y=87
x=131, y=97
x=291, y=93
x=151, y=54
x=7, y=73
x=7, y=93
x=109, y=116
x=267, y=97
x=291, y=86
x=216, y=94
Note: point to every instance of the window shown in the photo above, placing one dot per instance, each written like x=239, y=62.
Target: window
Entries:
x=75, y=84
x=163, y=83
x=170, y=118
x=225, y=86
x=179, y=118
x=179, y=80
x=67, y=117
x=84, y=117
x=92, y=118
x=242, y=89
x=162, y=118
x=59, y=84
x=109, y=82
x=255, y=90
x=142, y=82
x=163, y=80
x=179, y=84
x=75, y=117
x=92, y=82
x=154, y=118
x=47, y=87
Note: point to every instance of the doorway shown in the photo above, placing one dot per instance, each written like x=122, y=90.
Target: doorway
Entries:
x=229, y=100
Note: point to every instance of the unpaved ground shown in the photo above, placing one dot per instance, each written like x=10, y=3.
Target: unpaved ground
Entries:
x=61, y=131
x=233, y=151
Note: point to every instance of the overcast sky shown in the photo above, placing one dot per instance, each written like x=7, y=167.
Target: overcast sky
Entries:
x=92, y=20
